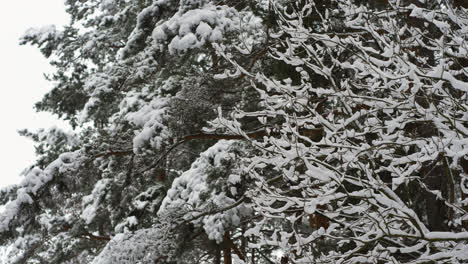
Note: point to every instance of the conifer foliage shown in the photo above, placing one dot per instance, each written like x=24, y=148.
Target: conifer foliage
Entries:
x=256, y=131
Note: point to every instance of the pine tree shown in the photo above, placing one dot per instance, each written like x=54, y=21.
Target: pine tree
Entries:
x=233, y=131
x=137, y=78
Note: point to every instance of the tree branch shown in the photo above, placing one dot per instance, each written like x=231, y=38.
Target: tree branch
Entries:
x=94, y=237
x=309, y=132
x=265, y=257
x=214, y=211
x=114, y=153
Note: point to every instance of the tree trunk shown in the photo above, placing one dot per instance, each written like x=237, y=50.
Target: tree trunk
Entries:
x=227, y=248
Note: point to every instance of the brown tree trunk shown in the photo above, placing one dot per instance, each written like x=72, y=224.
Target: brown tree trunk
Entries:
x=231, y=245
x=227, y=248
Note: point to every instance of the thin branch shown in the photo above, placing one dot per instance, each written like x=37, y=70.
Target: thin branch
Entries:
x=86, y=235
x=265, y=257
x=214, y=211
x=94, y=237
x=311, y=132
x=114, y=153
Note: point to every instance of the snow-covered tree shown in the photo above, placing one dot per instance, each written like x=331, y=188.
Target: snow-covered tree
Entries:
x=235, y=131
x=137, y=79
x=365, y=157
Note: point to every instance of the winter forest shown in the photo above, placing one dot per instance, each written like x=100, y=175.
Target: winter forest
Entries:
x=248, y=132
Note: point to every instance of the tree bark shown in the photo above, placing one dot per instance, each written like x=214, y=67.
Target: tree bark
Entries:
x=233, y=246
x=227, y=248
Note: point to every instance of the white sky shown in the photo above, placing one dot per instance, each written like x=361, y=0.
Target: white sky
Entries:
x=22, y=81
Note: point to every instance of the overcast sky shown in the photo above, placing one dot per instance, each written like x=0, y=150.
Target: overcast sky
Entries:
x=22, y=81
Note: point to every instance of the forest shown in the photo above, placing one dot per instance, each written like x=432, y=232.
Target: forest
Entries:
x=248, y=132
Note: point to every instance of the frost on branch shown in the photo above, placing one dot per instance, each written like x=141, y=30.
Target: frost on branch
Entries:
x=143, y=246
x=47, y=38
x=203, y=194
x=33, y=181
x=388, y=85
x=346, y=121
